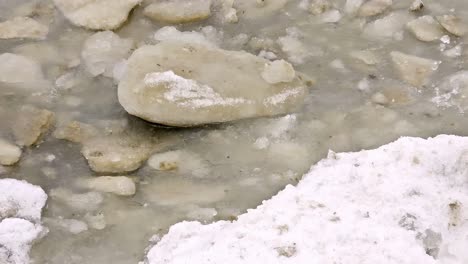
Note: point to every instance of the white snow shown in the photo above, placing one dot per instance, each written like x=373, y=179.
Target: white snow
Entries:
x=16, y=237
x=404, y=202
x=187, y=92
x=21, y=199
x=20, y=213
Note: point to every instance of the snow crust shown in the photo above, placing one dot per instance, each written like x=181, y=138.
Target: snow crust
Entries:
x=20, y=213
x=404, y=202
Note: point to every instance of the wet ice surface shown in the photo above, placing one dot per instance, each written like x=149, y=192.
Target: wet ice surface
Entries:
x=361, y=99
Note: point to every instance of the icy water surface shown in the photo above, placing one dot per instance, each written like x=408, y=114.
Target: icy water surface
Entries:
x=358, y=100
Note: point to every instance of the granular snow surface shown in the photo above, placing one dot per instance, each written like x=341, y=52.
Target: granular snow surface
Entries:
x=20, y=213
x=405, y=202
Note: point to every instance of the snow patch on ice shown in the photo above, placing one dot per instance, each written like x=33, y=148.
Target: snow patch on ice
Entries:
x=20, y=213
x=282, y=97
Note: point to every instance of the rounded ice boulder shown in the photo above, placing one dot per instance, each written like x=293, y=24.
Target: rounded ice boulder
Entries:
x=188, y=84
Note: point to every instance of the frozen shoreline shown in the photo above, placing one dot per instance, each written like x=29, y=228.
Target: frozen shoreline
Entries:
x=404, y=202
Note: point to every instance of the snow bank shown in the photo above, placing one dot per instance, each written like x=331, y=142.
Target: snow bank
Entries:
x=20, y=213
x=404, y=202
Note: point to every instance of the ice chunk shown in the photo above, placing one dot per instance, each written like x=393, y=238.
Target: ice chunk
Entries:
x=96, y=14
x=183, y=84
x=179, y=11
x=425, y=28
x=225, y=12
x=182, y=161
x=413, y=70
x=454, y=52
x=73, y=226
x=116, y=154
x=120, y=185
x=96, y=221
x=294, y=48
x=89, y=201
x=19, y=69
x=251, y=9
x=453, y=24
x=31, y=125
x=103, y=50
x=452, y=91
x=317, y=7
x=389, y=26
x=204, y=37
x=9, y=153
x=178, y=191
x=76, y=132
x=330, y=16
x=352, y=6
x=23, y=27
x=416, y=5
x=374, y=7
x=367, y=56
x=278, y=71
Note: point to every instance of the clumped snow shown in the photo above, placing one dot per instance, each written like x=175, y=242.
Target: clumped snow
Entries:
x=20, y=213
x=21, y=199
x=404, y=202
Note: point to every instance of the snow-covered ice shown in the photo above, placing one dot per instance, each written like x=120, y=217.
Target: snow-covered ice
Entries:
x=20, y=213
x=404, y=202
